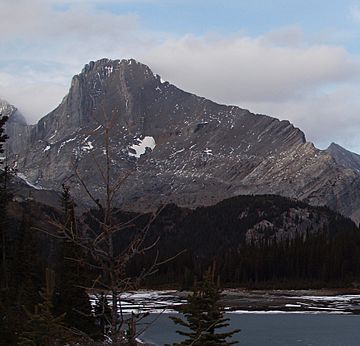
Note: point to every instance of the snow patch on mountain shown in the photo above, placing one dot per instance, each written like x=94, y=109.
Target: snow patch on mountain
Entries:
x=139, y=148
x=23, y=177
x=109, y=70
x=65, y=142
x=87, y=146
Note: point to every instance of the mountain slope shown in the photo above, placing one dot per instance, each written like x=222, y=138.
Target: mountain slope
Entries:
x=344, y=157
x=253, y=239
x=16, y=128
x=201, y=152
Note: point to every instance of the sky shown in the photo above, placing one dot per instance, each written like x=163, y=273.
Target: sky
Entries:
x=290, y=59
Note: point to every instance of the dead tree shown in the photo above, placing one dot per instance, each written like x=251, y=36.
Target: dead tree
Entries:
x=99, y=244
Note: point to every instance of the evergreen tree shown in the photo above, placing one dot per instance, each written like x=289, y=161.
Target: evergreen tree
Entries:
x=3, y=136
x=203, y=317
x=71, y=298
x=26, y=266
x=9, y=321
x=42, y=327
x=5, y=197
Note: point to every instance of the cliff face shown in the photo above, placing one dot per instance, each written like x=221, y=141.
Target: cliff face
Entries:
x=16, y=128
x=177, y=147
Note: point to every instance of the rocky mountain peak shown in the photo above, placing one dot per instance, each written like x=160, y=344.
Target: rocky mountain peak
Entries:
x=178, y=147
x=105, y=68
x=16, y=128
x=15, y=116
x=6, y=109
x=344, y=157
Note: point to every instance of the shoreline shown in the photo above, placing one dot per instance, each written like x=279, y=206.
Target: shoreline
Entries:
x=340, y=301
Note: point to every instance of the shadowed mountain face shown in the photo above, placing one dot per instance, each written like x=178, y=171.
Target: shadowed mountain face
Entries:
x=177, y=147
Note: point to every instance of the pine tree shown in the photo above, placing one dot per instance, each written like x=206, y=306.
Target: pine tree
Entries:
x=71, y=298
x=42, y=327
x=203, y=316
x=5, y=197
x=26, y=266
x=3, y=136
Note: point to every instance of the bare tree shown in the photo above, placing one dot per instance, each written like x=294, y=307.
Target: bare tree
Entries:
x=98, y=244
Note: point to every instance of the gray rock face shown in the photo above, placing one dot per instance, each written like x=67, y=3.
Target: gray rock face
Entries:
x=16, y=128
x=177, y=147
x=344, y=157
x=6, y=109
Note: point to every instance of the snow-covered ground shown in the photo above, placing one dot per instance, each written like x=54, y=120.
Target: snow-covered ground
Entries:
x=147, y=301
x=24, y=178
x=246, y=302
x=141, y=145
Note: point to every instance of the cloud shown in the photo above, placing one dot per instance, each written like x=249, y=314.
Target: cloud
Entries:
x=242, y=69
x=38, y=21
x=288, y=37
x=329, y=116
x=278, y=74
x=35, y=97
x=43, y=46
x=45, y=42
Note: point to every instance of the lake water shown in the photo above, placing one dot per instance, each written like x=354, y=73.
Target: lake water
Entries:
x=284, y=329
x=266, y=318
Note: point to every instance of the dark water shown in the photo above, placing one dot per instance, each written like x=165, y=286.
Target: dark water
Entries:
x=274, y=329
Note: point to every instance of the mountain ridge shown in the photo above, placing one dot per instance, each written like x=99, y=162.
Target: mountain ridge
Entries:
x=201, y=153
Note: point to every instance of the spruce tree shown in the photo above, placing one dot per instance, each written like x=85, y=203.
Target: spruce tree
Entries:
x=9, y=317
x=203, y=317
x=5, y=197
x=71, y=298
x=3, y=136
x=42, y=327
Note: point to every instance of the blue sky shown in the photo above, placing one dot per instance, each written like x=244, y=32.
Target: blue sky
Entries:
x=179, y=17
x=296, y=60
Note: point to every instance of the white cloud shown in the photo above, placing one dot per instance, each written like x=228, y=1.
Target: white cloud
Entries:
x=42, y=47
x=279, y=73
x=329, y=116
x=38, y=21
x=288, y=36
x=35, y=97
x=314, y=86
x=243, y=69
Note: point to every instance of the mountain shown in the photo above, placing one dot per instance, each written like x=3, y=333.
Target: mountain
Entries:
x=253, y=239
x=6, y=109
x=174, y=146
x=16, y=128
x=344, y=157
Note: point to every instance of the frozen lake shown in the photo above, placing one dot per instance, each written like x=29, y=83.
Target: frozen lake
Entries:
x=274, y=329
x=271, y=318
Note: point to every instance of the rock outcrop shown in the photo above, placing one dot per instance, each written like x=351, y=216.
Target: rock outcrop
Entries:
x=16, y=128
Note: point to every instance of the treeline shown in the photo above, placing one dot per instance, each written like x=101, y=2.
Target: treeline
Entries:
x=313, y=262
x=317, y=248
